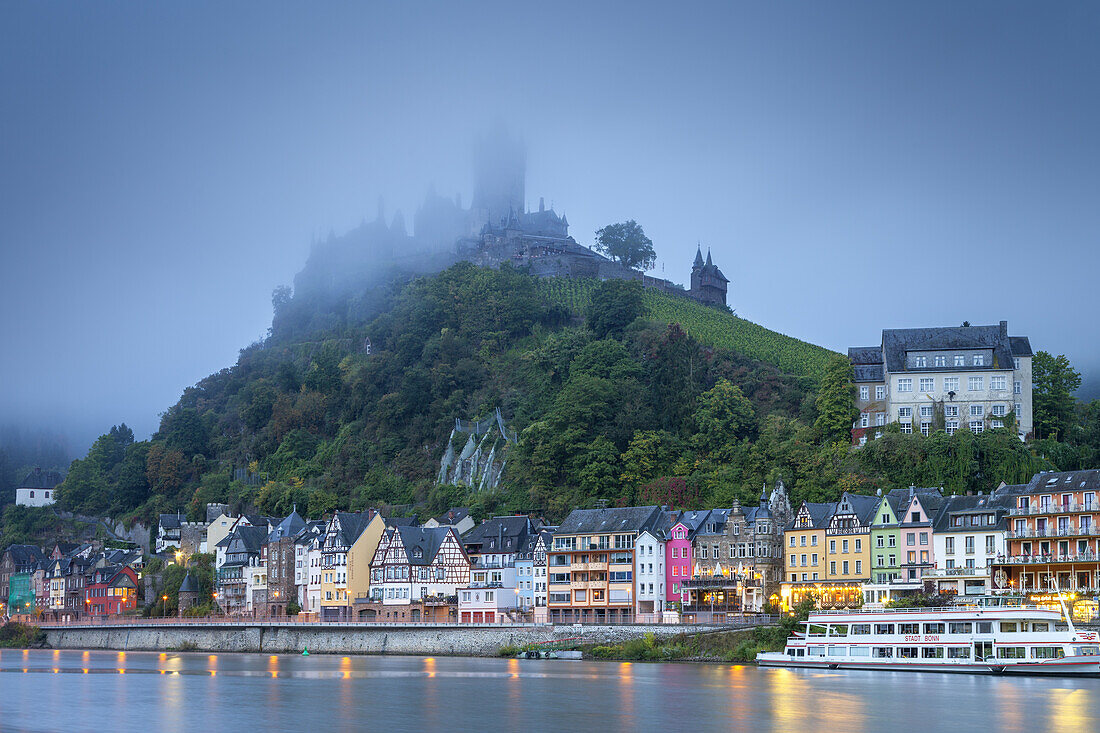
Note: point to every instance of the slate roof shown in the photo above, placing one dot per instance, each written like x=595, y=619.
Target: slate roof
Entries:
x=453, y=516
x=508, y=534
x=252, y=537
x=39, y=479
x=188, y=585
x=820, y=513
x=289, y=527
x=169, y=521
x=1021, y=345
x=897, y=341
x=863, y=506
x=427, y=540
x=595, y=521
x=25, y=555
x=1064, y=481
x=352, y=525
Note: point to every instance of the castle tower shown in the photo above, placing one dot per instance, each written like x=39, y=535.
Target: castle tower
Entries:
x=708, y=284
x=500, y=172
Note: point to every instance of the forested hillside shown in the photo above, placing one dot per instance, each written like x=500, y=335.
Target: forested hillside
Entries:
x=617, y=395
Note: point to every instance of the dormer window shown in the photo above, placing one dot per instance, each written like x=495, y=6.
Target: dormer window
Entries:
x=920, y=362
x=960, y=360
x=979, y=359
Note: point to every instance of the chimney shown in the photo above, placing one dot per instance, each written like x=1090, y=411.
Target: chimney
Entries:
x=1004, y=329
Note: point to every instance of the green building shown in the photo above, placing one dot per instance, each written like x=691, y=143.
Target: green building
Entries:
x=20, y=594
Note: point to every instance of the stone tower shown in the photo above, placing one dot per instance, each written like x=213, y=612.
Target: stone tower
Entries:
x=708, y=284
x=500, y=172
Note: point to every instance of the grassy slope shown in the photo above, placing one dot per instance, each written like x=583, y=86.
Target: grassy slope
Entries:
x=709, y=325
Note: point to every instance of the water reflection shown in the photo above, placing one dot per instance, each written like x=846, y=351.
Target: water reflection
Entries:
x=155, y=691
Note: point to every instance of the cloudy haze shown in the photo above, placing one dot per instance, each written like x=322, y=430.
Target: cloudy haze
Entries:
x=851, y=166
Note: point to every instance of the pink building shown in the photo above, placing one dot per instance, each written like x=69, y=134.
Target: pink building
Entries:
x=915, y=533
x=678, y=562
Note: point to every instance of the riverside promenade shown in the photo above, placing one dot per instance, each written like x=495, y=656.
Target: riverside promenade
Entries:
x=282, y=636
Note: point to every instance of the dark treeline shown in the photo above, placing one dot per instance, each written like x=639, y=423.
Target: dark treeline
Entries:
x=609, y=405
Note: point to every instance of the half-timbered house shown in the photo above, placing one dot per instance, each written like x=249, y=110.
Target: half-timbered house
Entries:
x=416, y=574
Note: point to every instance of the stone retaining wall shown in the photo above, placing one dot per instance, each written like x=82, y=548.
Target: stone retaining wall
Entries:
x=336, y=639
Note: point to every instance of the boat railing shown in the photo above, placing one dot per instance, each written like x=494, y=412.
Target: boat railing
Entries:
x=927, y=609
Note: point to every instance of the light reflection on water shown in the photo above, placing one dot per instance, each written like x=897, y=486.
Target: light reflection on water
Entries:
x=54, y=690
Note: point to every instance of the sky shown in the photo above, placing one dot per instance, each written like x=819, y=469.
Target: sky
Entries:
x=851, y=166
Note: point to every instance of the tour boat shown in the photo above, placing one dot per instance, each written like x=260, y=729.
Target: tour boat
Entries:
x=978, y=640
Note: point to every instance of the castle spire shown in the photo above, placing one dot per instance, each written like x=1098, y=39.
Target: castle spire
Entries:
x=709, y=263
x=698, y=257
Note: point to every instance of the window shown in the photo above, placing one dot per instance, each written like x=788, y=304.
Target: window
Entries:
x=832, y=568
x=970, y=544
x=803, y=541
x=832, y=546
x=997, y=424
x=975, y=384
x=958, y=652
x=979, y=359
x=932, y=652
x=998, y=410
x=864, y=420
x=844, y=567
x=977, y=410
x=792, y=540
x=1017, y=387
x=926, y=410
x=1000, y=383
x=1010, y=652
x=934, y=628
x=844, y=545
x=977, y=427
x=905, y=413
x=952, y=427
x=880, y=392
x=906, y=427
x=813, y=541
x=859, y=567
x=924, y=538
x=1019, y=408
x=884, y=629
x=960, y=360
x=927, y=384
x=950, y=384
x=880, y=418
x=1015, y=362
x=941, y=361
x=960, y=627
x=813, y=559
x=859, y=545
x=920, y=362
x=865, y=393
x=949, y=545
x=905, y=384
x=925, y=428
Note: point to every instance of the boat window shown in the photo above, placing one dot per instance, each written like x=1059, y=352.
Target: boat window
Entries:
x=884, y=628
x=1048, y=652
x=817, y=630
x=1088, y=651
x=882, y=652
x=1040, y=626
x=907, y=652
x=861, y=629
x=791, y=652
x=859, y=651
x=801, y=652
x=958, y=652
x=932, y=652
x=1010, y=652
x=960, y=627
x=937, y=628
x=838, y=651
x=985, y=627
x=1008, y=627
x=908, y=628
x=838, y=629
x=816, y=651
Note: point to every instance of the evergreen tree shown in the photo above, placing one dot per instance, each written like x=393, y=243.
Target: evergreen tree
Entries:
x=1054, y=383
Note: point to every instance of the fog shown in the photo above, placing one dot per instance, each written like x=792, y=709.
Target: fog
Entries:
x=852, y=167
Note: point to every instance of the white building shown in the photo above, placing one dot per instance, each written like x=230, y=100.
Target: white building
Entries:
x=38, y=488
x=969, y=535
x=975, y=377
x=649, y=574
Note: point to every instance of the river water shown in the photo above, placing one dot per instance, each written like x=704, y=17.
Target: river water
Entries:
x=117, y=692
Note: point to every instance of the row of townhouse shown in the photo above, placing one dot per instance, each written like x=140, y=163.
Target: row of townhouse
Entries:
x=655, y=565
x=69, y=582
x=1026, y=540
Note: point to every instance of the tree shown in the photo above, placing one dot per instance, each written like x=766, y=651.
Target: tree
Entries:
x=627, y=244
x=835, y=403
x=1054, y=383
x=615, y=305
x=723, y=417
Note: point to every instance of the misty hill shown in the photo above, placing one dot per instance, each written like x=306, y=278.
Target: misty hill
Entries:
x=610, y=400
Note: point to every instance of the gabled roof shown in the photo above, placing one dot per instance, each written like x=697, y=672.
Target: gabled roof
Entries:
x=820, y=513
x=897, y=341
x=410, y=521
x=426, y=540
x=863, y=506
x=251, y=537
x=595, y=521
x=169, y=521
x=39, y=479
x=351, y=525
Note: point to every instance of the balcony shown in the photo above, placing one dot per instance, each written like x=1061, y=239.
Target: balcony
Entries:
x=1073, y=506
x=718, y=583
x=957, y=572
x=1047, y=559
x=1090, y=531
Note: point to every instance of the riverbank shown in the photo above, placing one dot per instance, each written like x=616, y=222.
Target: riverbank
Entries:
x=420, y=639
x=15, y=635
x=703, y=646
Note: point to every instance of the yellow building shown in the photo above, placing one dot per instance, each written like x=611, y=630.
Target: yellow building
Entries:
x=360, y=556
x=343, y=530
x=804, y=552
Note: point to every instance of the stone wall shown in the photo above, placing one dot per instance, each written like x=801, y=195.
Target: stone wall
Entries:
x=338, y=639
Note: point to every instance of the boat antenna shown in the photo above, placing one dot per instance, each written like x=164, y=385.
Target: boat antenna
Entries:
x=1062, y=603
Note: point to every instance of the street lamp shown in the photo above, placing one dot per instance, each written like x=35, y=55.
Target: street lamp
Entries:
x=164, y=606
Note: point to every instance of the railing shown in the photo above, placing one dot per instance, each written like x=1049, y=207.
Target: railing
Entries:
x=1042, y=559
x=943, y=572
x=721, y=582
x=925, y=609
x=1069, y=532
x=1073, y=506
